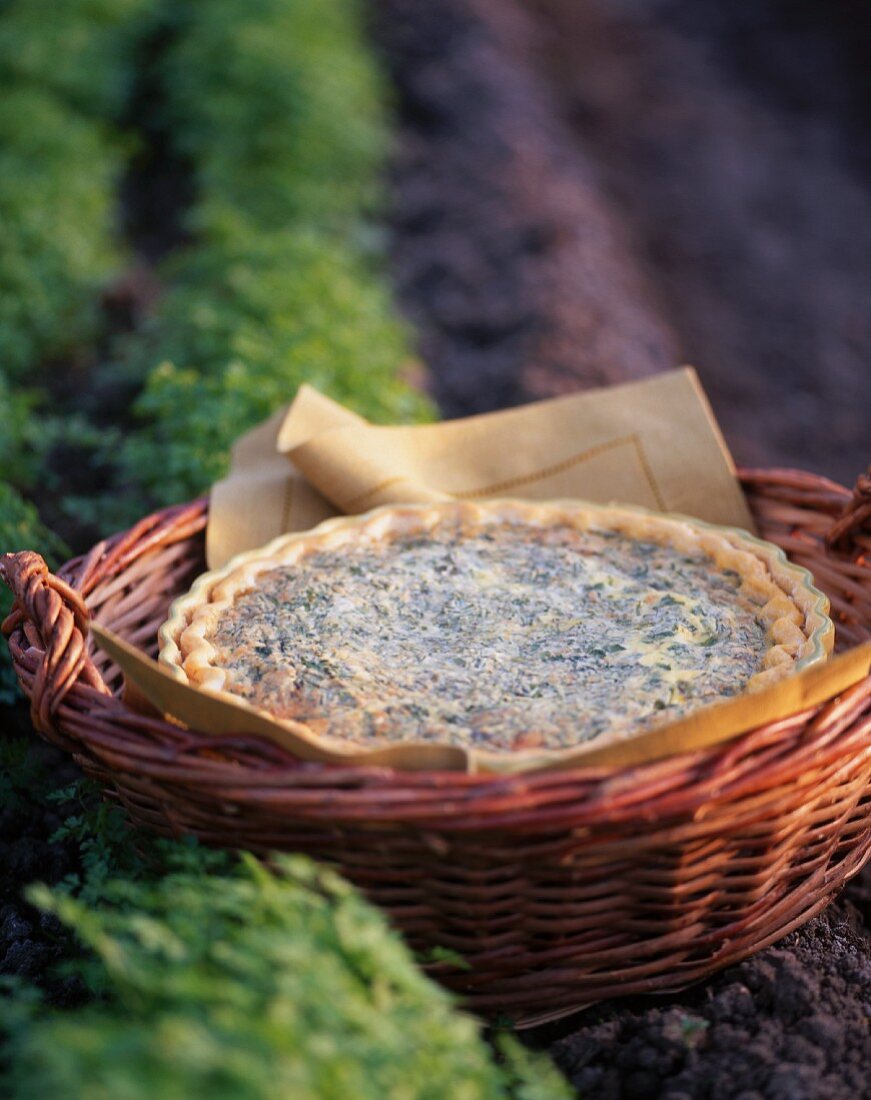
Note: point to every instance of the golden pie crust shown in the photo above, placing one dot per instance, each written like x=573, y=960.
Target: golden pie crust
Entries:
x=204, y=641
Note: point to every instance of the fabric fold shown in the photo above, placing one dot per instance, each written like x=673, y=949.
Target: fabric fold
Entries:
x=654, y=443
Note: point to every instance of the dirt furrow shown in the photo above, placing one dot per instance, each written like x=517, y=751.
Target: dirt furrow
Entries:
x=506, y=256
x=747, y=202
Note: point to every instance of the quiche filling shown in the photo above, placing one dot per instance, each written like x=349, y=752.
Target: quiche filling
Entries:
x=501, y=637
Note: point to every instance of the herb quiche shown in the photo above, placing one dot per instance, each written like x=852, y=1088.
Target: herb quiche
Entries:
x=498, y=626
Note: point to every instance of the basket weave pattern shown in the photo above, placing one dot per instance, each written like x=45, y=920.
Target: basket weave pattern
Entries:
x=559, y=889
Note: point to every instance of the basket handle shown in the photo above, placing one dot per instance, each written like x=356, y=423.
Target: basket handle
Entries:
x=855, y=520
x=49, y=620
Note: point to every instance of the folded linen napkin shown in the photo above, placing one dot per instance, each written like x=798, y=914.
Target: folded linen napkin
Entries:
x=654, y=443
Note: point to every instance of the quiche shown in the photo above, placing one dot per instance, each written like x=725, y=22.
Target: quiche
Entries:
x=500, y=626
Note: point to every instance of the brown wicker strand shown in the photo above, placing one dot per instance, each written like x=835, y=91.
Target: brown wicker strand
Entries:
x=59, y=621
x=850, y=532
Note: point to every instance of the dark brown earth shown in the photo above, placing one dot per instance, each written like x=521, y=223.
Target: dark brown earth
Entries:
x=746, y=197
x=587, y=191
x=33, y=945
x=515, y=271
x=616, y=186
x=790, y=1023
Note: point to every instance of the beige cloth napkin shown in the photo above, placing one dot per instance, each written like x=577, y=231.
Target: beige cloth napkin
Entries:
x=653, y=443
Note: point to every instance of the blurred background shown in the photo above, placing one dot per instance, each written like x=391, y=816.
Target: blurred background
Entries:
x=626, y=184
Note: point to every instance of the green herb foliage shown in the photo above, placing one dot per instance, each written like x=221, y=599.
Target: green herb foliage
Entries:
x=280, y=109
x=283, y=286
x=83, y=51
x=65, y=71
x=211, y=976
x=21, y=440
x=254, y=984
x=245, y=325
x=57, y=197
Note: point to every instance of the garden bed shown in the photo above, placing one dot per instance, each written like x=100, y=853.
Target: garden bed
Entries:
x=531, y=260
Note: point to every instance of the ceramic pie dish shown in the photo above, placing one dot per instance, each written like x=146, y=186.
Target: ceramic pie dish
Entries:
x=497, y=627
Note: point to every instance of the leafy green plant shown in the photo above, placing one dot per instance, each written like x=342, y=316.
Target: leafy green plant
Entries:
x=211, y=976
x=247, y=324
x=283, y=284
x=57, y=198
x=58, y=177
x=22, y=445
x=260, y=983
x=109, y=849
x=83, y=51
x=279, y=107
x=692, y=1029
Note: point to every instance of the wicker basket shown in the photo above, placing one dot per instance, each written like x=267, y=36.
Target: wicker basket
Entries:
x=558, y=889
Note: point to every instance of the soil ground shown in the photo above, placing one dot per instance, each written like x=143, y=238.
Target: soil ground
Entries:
x=591, y=190
x=587, y=191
